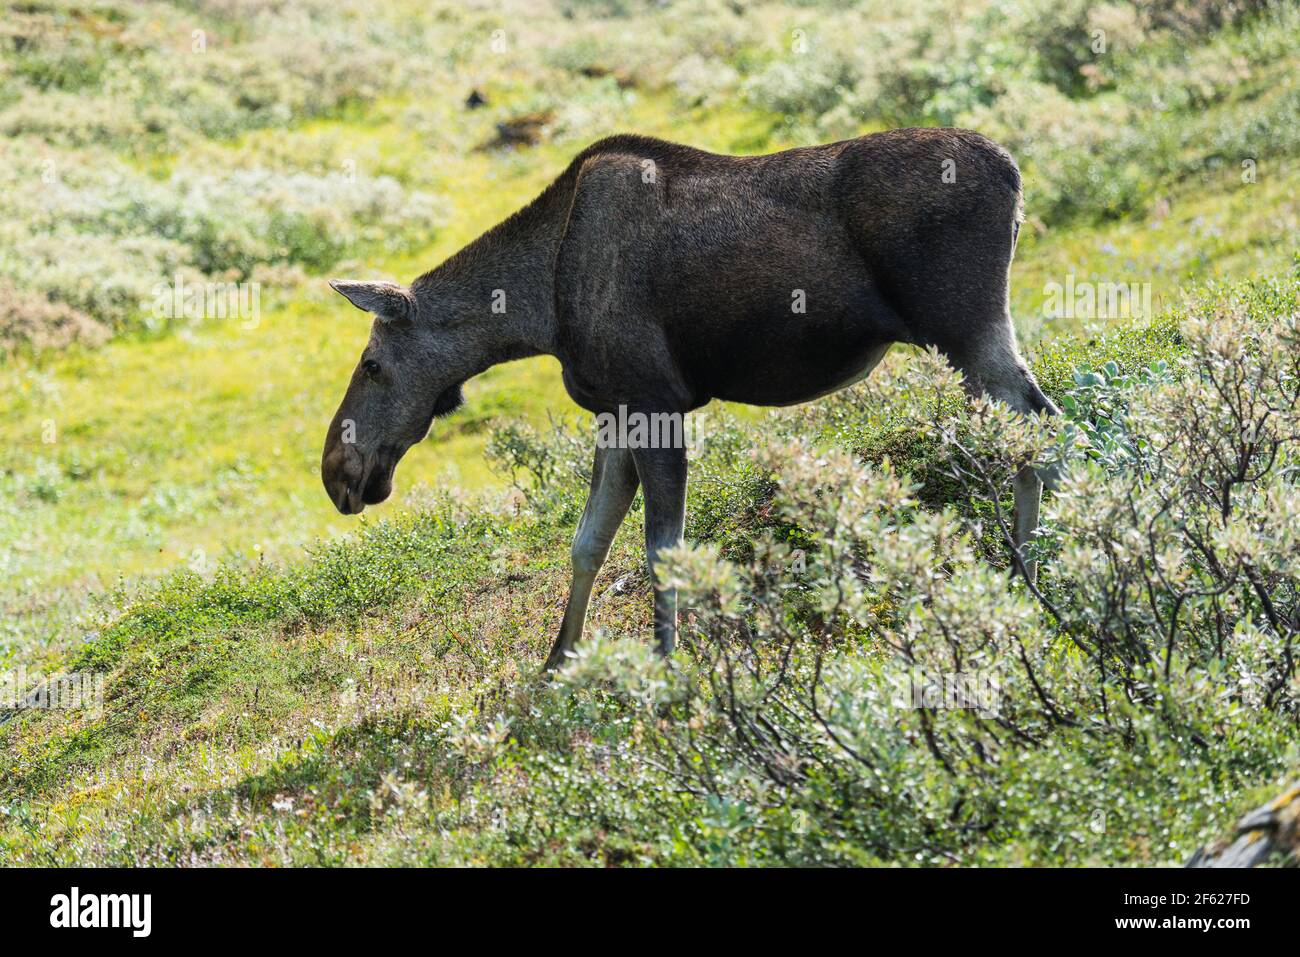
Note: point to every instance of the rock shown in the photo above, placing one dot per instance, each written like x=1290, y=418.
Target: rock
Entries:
x=621, y=75
x=1268, y=833
x=525, y=130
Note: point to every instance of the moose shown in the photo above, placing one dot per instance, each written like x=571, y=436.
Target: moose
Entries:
x=662, y=277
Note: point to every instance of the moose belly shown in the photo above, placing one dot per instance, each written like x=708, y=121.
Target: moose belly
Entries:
x=748, y=351
x=796, y=377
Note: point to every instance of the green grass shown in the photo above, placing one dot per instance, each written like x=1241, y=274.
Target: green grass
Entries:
x=304, y=685
x=1210, y=227
x=343, y=708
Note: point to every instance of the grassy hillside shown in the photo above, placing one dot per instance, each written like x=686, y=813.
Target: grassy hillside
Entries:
x=378, y=703
x=371, y=697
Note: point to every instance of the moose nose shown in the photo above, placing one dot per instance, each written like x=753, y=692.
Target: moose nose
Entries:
x=345, y=496
x=347, y=501
x=341, y=474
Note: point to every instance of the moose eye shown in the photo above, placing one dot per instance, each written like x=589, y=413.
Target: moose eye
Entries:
x=371, y=368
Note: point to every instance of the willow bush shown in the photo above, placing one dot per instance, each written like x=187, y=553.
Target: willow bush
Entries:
x=864, y=685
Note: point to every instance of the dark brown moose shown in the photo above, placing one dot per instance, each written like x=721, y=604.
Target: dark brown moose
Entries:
x=662, y=277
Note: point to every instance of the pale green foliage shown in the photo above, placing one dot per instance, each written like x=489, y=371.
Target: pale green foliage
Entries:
x=1183, y=553
x=1097, y=407
x=890, y=691
x=90, y=233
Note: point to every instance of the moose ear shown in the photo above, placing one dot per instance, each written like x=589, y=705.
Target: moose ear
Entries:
x=387, y=300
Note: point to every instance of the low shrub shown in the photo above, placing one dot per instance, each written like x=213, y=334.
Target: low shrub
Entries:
x=873, y=690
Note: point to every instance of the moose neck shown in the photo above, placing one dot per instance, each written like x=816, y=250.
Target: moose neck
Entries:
x=504, y=281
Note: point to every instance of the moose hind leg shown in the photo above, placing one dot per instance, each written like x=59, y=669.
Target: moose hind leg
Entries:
x=1028, y=490
x=663, y=473
x=613, y=486
x=992, y=366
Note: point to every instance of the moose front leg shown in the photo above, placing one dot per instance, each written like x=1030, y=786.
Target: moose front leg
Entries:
x=663, y=476
x=613, y=486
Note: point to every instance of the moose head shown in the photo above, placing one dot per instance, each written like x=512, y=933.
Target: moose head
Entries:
x=410, y=372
